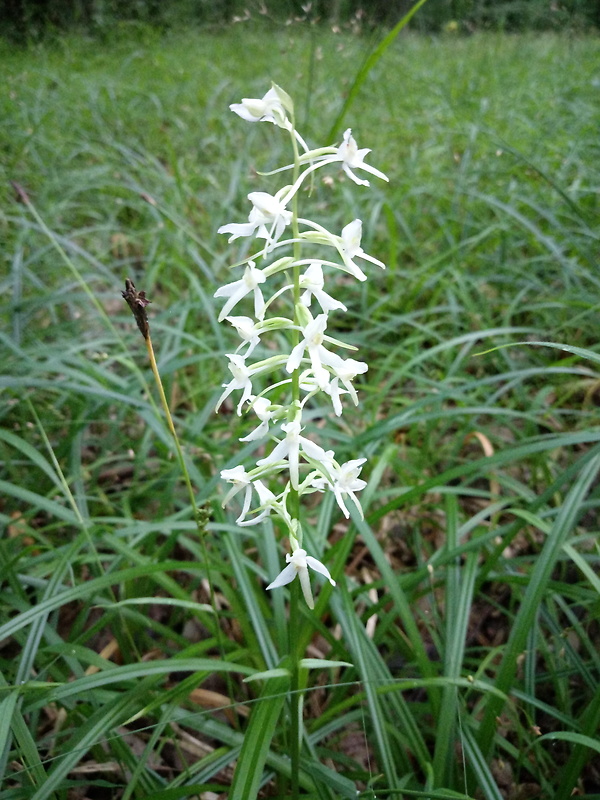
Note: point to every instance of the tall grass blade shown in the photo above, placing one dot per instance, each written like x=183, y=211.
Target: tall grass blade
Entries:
x=257, y=739
x=368, y=65
x=536, y=589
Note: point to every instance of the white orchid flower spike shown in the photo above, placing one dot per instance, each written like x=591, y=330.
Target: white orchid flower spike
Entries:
x=286, y=363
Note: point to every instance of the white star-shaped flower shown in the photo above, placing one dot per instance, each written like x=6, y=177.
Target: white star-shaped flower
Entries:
x=248, y=330
x=353, y=158
x=267, y=500
x=241, y=482
x=237, y=290
x=333, y=389
x=347, y=154
x=241, y=380
x=345, y=481
x=312, y=281
x=297, y=564
x=269, y=218
x=345, y=371
x=264, y=411
x=289, y=448
x=268, y=109
x=313, y=342
x=350, y=249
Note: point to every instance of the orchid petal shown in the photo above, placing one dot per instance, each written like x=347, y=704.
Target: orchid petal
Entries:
x=313, y=563
x=286, y=576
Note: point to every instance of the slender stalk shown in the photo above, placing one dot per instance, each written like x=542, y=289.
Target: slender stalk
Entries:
x=295, y=694
x=294, y=505
x=137, y=302
x=190, y=489
x=171, y=426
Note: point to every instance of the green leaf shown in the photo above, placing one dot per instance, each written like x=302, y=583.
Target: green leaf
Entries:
x=570, y=736
x=257, y=740
x=484, y=780
x=536, y=589
x=341, y=786
x=278, y=672
x=368, y=65
x=322, y=663
x=117, y=675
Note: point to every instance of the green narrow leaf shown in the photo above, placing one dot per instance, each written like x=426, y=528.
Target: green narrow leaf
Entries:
x=33, y=768
x=585, y=568
x=459, y=597
x=117, y=674
x=341, y=786
x=571, y=771
x=278, y=672
x=589, y=355
x=38, y=501
x=88, y=589
x=322, y=663
x=431, y=794
x=257, y=740
x=393, y=586
x=99, y=726
x=246, y=592
x=484, y=780
x=7, y=708
x=569, y=736
x=32, y=454
x=368, y=65
x=383, y=716
x=537, y=587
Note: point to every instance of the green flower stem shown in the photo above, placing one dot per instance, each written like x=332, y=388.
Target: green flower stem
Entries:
x=295, y=694
x=294, y=507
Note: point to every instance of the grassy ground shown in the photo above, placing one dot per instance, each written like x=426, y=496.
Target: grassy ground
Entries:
x=468, y=601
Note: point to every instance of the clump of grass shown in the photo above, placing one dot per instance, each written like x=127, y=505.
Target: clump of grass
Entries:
x=469, y=611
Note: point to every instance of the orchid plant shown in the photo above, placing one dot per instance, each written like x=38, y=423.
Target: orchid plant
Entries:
x=310, y=367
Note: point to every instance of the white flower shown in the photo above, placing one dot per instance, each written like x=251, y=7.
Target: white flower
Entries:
x=267, y=109
x=248, y=331
x=313, y=282
x=267, y=500
x=241, y=481
x=353, y=158
x=241, y=380
x=264, y=411
x=345, y=481
x=347, y=153
x=268, y=218
x=350, y=249
x=313, y=342
x=289, y=448
x=297, y=564
x=238, y=289
x=345, y=370
x=309, y=384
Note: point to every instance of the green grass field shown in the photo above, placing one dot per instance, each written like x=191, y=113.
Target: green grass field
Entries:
x=468, y=600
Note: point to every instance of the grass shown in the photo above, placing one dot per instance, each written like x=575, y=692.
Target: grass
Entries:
x=468, y=600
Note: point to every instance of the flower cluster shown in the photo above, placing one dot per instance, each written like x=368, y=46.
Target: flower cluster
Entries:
x=311, y=366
